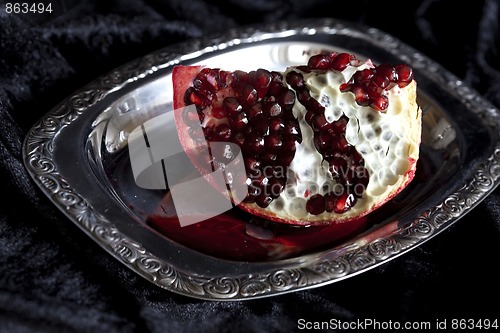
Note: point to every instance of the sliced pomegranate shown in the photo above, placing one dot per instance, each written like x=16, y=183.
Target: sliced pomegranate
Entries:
x=322, y=143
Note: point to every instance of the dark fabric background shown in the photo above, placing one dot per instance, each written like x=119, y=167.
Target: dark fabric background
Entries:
x=55, y=279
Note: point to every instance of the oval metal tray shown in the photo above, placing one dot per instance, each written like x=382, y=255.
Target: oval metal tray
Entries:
x=77, y=154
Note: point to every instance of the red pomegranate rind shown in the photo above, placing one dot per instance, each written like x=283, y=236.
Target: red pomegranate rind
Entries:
x=259, y=112
x=183, y=78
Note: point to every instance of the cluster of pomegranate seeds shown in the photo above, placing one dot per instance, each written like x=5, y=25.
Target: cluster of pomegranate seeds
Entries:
x=334, y=60
x=345, y=163
x=253, y=110
x=368, y=85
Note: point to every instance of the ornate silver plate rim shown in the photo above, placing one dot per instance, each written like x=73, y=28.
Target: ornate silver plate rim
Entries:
x=241, y=280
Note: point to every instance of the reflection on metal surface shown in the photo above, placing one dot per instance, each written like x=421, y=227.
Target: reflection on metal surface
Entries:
x=131, y=110
x=442, y=134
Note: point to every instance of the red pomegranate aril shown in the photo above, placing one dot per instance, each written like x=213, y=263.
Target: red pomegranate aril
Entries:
x=249, y=95
x=341, y=61
x=344, y=202
x=262, y=81
x=314, y=106
x=380, y=80
x=276, y=186
x=276, y=77
x=239, y=139
x=329, y=153
x=263, y=200
x=363, y=75
x=208, y=132
x=287, y=99
x=275, y=88
x=285, y=159
x=344, y=87
x=405, y=75
x=349, y=176
x=330, y=199
x=232, y=106
x=253, y=191
x=273, y=142
x=362, y=176
x=356, y=157
x=237, y=79
x=303, y=96
x=269, y=158
x=380, y=103
x=272, y=109
x=223, y=132
x=252, y=165
x=360, y=95
x=319, y=61
x=209, y=79
x=197, y=83
x=259, y=125
x=375, y=81
x=193, y=97
x=263, y=78
x=322, y=142
x=309, y=116
x=387, y=71
x=254, y=110
x=332, y=55
x=289, y=143
x=373, y=91
x=295, y=80
x=276, y=125
x=340, y=142
x=218, y=113
x=320, y=123
x=239, y=121
x=255, y=144
x=340, y=125
x=258, y=180
x=338, y=166
x=292, y=127
x=315, y=205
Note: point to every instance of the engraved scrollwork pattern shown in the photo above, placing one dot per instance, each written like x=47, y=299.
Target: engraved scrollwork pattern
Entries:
x=227, y=287
x=39, y=160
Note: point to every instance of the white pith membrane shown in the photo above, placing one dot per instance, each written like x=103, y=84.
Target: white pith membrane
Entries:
x=388, y=142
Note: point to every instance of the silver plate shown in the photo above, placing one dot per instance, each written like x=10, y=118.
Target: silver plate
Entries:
x=77, y=155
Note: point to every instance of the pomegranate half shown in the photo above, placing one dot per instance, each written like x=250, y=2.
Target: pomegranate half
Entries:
x=322, y=143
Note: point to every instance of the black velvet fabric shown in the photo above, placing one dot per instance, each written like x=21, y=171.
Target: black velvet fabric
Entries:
x=55, y=279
